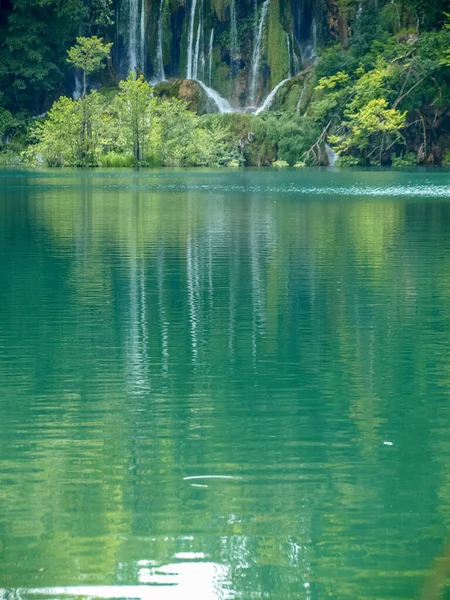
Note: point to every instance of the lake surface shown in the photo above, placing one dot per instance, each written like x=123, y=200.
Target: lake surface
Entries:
x=224, y=384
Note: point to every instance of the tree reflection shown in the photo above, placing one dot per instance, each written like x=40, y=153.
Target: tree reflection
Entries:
x=175, y=335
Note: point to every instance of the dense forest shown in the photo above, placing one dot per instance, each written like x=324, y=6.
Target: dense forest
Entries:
x=225, y=82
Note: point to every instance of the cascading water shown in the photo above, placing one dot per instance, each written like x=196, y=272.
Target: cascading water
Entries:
x=294, y=56
x=136, y=36
x=159, y=47
x=190, y=40
x=142, y=38
x=202, y=61
x=257, y=51
x=332, y=156
x=210, y=57
x=234, y=49
x=288, y=44
x=78, y=86
x=132, y=37
x=268, y=101
x=314, y=38
x=223, y=105
x=197, y=50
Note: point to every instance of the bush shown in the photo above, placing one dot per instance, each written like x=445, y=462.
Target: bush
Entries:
x=347, y=161
x=407, y=160
x=280, y=163
x=9, y=158
x=114, y=160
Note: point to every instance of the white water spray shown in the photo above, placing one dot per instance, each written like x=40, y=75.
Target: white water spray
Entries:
x=257, y=51
x=222, y=104
x=332, y=156
x=294, y=55
x=288, y=45
x=210, y=58
x=190, y=40
x=197, y=50
x=78, y=87
x=234, y=50
x=142, y=40
x=268, y=101
x=132, y=35
x=136, y=36
x=159, y=48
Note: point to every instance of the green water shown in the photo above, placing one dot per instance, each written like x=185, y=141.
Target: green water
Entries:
x=220, y=384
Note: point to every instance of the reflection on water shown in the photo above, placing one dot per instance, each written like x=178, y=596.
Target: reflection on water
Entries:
x=203, y=580
x=211, y=387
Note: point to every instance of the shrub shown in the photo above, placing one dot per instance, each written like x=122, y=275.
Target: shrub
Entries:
x=407, y=160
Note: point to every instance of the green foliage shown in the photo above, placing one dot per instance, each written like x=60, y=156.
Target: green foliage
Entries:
x=134, y=107
x=406, y=160
x=132, y=128
x=7, y=122
x=58, y=136
x=280, y=163
x=333, y=81
x=88, y=55
x=375, y=128
x=292, y=136
x=278, y=58
x=75, y=133
x=333, y=59
x=35, y=37
x=9, y=158
x=347, y=161
x=115, y=160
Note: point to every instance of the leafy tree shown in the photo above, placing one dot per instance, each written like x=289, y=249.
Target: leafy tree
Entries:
x=58, y=141
x=374, y=128
x=292, y=137
x=88, y=55
x=35, y=37
x=75, y=132
x=134, y=105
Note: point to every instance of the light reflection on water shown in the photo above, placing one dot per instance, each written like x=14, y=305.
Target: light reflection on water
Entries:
x=202, y=580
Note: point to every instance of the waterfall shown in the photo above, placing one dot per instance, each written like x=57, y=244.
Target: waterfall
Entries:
x=223, y=105
x=257, y=51
x=211, y=45
x=294, y=55
x=314, y=38
x=268, y=101
x=142, y=40
x=136, y=37
x=332, y=156
x=202, y=60
x=132, y=36
x=159, y=48
x=234, y=50
x=197, y=49
x=190, y=39
x=359, y=11
x=78, y=87
x=288, y=44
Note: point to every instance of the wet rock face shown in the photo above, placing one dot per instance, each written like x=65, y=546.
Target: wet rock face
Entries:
x=187, y=90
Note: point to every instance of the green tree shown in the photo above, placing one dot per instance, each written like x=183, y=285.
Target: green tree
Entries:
x=134, y=105
x=75, y=132
x=88, y=55
x=374, y=129
x=58, y=137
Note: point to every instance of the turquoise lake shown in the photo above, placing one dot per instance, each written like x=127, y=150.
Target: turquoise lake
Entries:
x=220, y=384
